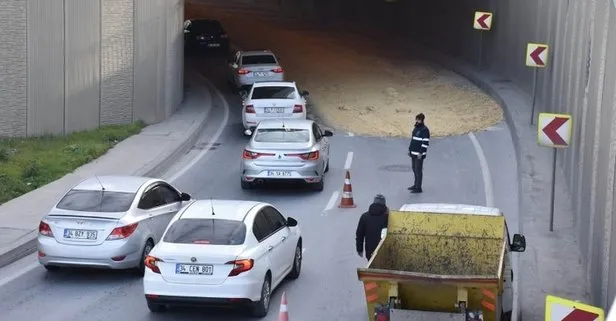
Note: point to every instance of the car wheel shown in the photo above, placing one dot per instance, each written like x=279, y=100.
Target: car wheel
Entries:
x=319, y=186
x=261, y=307
x=297, y=263
x=156, y=308
x=149, y=245
x=246, y=185
x=51, y=268
x=327, y=167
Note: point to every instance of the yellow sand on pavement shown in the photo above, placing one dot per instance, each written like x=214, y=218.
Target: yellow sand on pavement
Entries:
x=360, y=87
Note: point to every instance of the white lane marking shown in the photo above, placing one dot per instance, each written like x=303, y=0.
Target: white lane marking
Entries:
x=16, y=269
x=221, y=128
x=331, y=202
x=351, y=134
x=303, y=250
x=349, y=160
x=485, y=170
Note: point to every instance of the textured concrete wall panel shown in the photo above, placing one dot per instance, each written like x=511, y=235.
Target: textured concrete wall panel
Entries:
x=82, y=63
x=116, y=62
x=45, y=67
x=13, y=78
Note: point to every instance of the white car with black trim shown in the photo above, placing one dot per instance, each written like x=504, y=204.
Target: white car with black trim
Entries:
x=221, y=253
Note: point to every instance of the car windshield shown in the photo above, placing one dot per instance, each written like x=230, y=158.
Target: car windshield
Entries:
x=206, y=231
x=96, y=201
x=258, y=60
x=282, y=135
x=273, y=92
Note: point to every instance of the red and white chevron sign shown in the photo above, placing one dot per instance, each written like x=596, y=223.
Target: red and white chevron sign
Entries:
x=482, y=20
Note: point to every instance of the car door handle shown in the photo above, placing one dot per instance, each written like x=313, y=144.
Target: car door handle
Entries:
x=284, y=238
x=270, y=248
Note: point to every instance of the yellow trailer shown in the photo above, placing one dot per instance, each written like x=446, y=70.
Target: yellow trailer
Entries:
x=442, y=262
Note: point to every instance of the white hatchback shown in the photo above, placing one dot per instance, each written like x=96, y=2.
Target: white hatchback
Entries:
x=272, y=100
x=221, y=253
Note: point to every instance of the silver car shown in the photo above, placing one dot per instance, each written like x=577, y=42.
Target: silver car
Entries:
x=108, y=222
x=296, y=150
x=248, y=67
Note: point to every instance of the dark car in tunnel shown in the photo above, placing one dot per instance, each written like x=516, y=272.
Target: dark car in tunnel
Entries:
x=205, y=34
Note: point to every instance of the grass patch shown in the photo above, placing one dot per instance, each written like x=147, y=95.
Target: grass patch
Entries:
x=29, y=163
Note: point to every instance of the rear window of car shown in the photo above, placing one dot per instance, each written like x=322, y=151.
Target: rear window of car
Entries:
x=282, y=135
x=274, y=92
x=259, y=60
x=96, y=201
x=205, y=26
x=206, y=231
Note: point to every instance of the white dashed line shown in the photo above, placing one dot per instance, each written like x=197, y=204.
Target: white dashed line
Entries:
x=485, y=170
x=351, y=134
x=349, y=160
x=331, y=203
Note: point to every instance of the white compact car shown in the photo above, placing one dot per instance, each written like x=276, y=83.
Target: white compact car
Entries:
x=109, y=222
x=221, y=253
x=272, y=100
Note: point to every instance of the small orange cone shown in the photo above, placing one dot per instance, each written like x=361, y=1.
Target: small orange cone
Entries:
x=347, y=193
x=284, y=311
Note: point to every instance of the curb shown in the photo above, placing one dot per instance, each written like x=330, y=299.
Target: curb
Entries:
x=27, y=244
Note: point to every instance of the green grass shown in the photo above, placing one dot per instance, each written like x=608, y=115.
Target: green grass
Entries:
x=29, y=163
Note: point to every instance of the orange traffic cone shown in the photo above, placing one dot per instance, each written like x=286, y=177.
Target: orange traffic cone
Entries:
x=347, y=193
x=284, y=312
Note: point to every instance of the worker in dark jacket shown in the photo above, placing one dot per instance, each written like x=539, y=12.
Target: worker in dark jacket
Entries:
x=418, y=149
x=370, y=225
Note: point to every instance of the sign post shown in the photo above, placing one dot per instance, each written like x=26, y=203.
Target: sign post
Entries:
x=482, y=22
x=536, y=57
x=559, y=309
x=554, y=131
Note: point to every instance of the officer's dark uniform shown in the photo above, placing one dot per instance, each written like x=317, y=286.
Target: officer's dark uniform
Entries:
x=418, y=149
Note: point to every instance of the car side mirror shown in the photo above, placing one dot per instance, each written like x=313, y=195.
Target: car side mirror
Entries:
x=186, y=31
x=519, y=243
x=304, y=93
x=185, y=197
x=233, y=64
x=248, y=132
x=291, y=222
x=327, y=133
x=243, y=94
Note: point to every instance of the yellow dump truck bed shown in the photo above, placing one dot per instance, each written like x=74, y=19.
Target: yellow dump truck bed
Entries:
x=431, y=261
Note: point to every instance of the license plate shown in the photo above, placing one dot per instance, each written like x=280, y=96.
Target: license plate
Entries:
x=274, y=110
x=279, y=173
x=80, y=234
x=194, y=269
x=213, y=45
x=260, y=74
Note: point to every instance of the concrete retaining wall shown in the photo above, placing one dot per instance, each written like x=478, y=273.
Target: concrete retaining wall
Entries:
x=72, y=65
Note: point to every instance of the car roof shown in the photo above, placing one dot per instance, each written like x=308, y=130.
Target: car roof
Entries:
x=273, y=84
x=290, y=123
x=256, y=52
x=223, y=209
x=444, y=208
x=114, y=183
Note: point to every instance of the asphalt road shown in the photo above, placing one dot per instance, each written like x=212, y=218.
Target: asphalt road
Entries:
x=328, y=288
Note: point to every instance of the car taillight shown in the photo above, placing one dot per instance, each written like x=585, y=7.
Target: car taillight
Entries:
x=241, y=266
x=307, y=156
x=253, y=155
x=45, y=229
x=277, y=70
x=250, y=109
x=122, y=232
x=151, y=262
x=298, y=109
x=242, y=71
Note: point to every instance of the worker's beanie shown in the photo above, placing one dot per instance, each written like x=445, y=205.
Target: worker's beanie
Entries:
x=420, y=116
x=379, y=199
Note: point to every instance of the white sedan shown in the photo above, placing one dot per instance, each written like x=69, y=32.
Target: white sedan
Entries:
x=272, y=100
x=223, y=252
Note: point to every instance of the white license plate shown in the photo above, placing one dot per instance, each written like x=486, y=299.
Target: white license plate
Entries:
x=279, y=173
x=80, y=234
x=260, y=74
x=274, y=110
x=213, y=45
x=194, y=269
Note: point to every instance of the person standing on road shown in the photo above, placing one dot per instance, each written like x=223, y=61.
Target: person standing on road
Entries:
x=418, y=149
x=371, y=223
